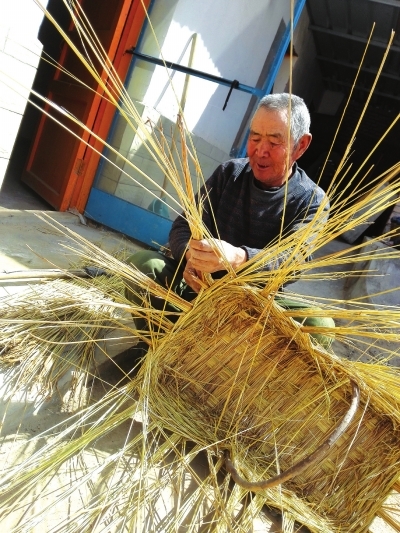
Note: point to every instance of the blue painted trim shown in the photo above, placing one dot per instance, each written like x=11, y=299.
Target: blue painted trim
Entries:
x=127, y=218
x=276, y=64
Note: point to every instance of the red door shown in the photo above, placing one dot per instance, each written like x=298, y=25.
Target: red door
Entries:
x=58, y=161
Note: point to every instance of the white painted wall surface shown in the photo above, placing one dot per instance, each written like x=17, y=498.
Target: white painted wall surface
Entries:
x=233, y=40
x=19, y=56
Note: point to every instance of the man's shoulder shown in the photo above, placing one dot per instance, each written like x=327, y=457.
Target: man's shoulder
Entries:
x=306, y=184
x=234, y=167
x=229, y=180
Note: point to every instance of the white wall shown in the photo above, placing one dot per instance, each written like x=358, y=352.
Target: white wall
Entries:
x=19, y=56
x=233, y=40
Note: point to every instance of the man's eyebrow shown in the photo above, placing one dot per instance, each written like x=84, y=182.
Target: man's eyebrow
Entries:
x=275, y=135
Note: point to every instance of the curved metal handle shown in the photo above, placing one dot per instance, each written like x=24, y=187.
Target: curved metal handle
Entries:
x=299, y=467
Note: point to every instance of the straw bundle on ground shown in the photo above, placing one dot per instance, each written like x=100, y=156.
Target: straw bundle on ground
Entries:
x=54, y=328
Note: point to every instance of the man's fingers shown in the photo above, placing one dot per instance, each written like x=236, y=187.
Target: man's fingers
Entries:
x=202, y=258
x=206, y=266
x=192, y=276
x=192, y=281
x=214, y=255
x=213, y=247
x=205, y=261
x=203, y=245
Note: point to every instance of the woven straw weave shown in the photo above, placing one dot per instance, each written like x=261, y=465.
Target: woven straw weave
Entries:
x=239, y=374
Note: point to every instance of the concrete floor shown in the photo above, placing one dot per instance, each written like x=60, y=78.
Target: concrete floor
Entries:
x=28, y=242
x=16, y=195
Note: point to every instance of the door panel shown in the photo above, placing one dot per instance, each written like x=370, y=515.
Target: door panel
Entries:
x=54, y=164
x=51, y=162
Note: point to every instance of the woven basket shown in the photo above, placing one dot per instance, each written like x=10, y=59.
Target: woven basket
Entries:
x=239, y=374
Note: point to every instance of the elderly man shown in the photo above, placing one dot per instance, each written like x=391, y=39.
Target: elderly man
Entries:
x=247, y=198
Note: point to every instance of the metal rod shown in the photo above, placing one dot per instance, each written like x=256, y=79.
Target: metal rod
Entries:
x=194, y=72
x=356, y=66
x=350, y=37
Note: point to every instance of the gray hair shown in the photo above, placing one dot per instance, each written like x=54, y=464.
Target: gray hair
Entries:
x=299, y=115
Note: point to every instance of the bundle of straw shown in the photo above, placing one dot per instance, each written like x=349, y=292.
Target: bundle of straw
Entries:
x=55, y=328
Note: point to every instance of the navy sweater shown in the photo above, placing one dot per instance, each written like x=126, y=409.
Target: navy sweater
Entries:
x=247, y=216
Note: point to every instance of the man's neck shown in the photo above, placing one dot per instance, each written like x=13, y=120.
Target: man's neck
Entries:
x=266, y=187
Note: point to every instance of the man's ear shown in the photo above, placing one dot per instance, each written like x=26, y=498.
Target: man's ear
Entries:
x=301, y=146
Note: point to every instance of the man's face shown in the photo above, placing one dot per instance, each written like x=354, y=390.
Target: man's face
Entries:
x=268, y=147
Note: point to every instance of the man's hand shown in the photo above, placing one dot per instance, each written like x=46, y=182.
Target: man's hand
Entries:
x=192, y=277
x=205, y=257
x=202, y=257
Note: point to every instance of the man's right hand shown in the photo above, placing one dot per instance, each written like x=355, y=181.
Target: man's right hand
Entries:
x=211, y=255
x=204, y=256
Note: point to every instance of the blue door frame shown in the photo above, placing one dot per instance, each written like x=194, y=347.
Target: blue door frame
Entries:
x=142, y=225
x=127, y=218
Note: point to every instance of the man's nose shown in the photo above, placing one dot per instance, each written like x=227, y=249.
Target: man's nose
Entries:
x=264, y=148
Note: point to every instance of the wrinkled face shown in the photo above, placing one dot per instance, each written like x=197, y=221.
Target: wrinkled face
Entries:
x=268, y=147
